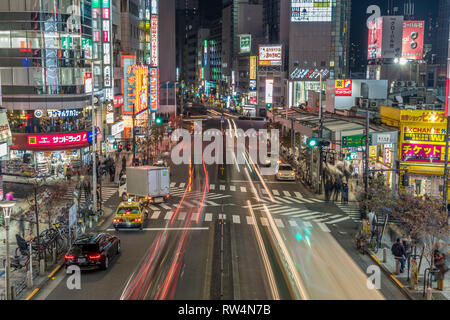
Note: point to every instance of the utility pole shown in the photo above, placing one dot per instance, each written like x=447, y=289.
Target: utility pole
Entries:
x=319, y=166
x=134, y=136
x=447, y=102
x=94, y=140
x=366, y=158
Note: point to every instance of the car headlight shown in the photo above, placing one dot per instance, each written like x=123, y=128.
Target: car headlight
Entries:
x=292, y=174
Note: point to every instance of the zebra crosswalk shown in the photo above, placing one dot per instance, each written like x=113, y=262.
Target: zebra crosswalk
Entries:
x=107, y=192
x=351, y=211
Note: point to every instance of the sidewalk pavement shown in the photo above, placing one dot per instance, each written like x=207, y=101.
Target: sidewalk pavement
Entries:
x=402, y=280
x=18, y=277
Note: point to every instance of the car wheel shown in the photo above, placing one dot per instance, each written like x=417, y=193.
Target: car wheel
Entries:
x=105, y=263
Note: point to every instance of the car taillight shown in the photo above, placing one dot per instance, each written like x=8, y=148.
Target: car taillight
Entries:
x=95, y=256
x=168, y=196
x=68, y=257
x=150, y=198
x=136, y=220
x=114, y=220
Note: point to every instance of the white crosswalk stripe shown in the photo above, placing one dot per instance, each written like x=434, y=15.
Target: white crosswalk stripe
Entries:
x=243, y=189
x=286, y=193
x=338, y=220
x=284, y=200
x=153, y=207
x=212, y=203
x=212, y=187
x=307, y=224
x=297, y=200
x=165, y=206
x=279, y=223
x=285, y=211
x=275, y=192
x=222, y=187
x=168, y=215
x=298, y=194
x=250, y=220
x=182, y=184
x=304, y=215
x=232, y=188
x=155, y=215
x=173, y=184
x=323, y=227
x=208, y=217
x=182, y=215
x=297, y=212
x=264, y=222
x=236, y=219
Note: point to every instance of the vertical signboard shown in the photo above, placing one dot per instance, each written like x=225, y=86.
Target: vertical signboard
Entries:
x=385, y=38
x=413, y=36
x=245, y=41
x=269, y=91
x=154, y=40
x=375, y=39
x=127, y=65
x=107, y=48
x=154, y=89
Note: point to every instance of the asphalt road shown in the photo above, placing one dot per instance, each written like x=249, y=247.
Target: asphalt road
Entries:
x=249, y=237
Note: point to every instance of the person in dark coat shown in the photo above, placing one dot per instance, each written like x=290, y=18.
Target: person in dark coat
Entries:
x=328, y=189
x=345, y=193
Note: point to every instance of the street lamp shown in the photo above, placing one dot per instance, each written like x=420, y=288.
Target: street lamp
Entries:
x=7, y=208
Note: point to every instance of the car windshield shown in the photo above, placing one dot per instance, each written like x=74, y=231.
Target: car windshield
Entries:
x=285, y=168
x=128, y=210
x=86, y=247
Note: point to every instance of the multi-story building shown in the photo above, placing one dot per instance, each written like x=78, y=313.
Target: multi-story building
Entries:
x=442, y=41
x=46, y=53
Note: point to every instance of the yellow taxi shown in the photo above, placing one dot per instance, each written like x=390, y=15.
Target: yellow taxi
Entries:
x=129, y=215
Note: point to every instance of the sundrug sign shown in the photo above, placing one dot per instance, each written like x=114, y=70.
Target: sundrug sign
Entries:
x=343, y=88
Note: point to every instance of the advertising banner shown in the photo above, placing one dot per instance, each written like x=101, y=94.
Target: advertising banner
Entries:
x=423, y=116
x=253, y=61
x=127, y=63
x=154, y=89
x=392, y=37
x=355, y=141
x=269, y=90
x=427, y=153
x=252, y=98
x=245, y=43
x=271, y=55
x=343, y=88
x=375, y=39
x=154, y=40
x=413, y=37
x=311, y=10
x=420, y=133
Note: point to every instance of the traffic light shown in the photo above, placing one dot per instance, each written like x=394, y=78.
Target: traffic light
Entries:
x=312, y=143
x=159, y=120
x=128, y=146
x=269, y=106
x=348, y=157
x=316, y=142
x=119, y=147
x=405, y=179
x=115, y=145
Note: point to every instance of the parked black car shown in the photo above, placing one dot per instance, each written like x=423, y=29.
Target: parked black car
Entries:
x=93, y=250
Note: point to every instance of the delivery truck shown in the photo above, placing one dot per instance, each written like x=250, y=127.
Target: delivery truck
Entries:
x=145, y=184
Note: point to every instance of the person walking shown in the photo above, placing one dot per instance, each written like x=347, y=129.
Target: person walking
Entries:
x=345, y=193
x=22, y=225
x=399, y=252
x=337, y=189
x=328, y=189
x=10, y=196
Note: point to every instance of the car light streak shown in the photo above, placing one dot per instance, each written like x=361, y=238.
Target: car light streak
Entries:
x=262, y=249
x=289, y=261
x=252, y=185
x=188, y=188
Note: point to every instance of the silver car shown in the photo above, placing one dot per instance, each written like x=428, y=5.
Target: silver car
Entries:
x=286, y=172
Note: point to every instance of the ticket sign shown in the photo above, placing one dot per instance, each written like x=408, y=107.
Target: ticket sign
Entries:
x=425, y=153
x=54, y=140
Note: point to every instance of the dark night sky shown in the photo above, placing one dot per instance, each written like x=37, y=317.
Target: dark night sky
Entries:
x=211, y=9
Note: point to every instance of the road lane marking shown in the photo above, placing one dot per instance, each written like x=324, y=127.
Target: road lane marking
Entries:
x=243, y=189
x=293, y=223
x=286, y=193
x=155, y=215
x=338, y=220
x=306, y=214
x=222, y=187
x=154, y=208
x=173, y=184
x=291, y=213
x=212, y=187
x=165, y=206
x=275, y=192
x=284, y=211
x=264, y=222
x=324, y=227
x=182, y=184
x=236, y=219
x=212, y=203
x=168, y=215
x=284, y=200
x=171, y=229
x=250, y=220
x=279, y=223
x=307, y=224
x=316, y=200
x=302, y=201
x=182, y=216
x=32, y=294
x=208, y=217
x=298, y=195
x=232, y=188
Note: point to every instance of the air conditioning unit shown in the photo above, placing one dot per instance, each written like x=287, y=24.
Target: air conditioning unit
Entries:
x=373, y=104
x=364, y=103
x=399, y=83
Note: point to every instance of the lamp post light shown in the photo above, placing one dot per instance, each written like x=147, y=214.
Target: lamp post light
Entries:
x=7, y=208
